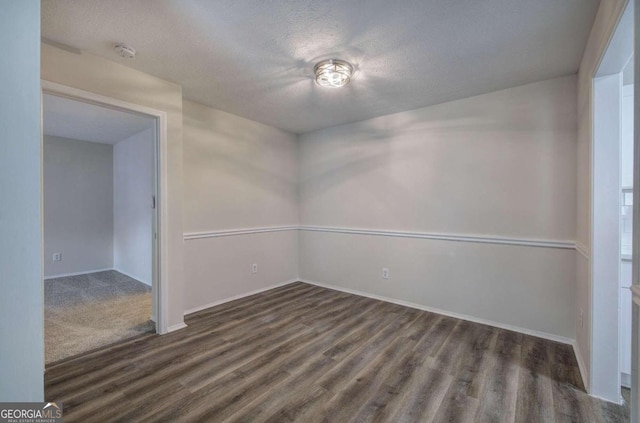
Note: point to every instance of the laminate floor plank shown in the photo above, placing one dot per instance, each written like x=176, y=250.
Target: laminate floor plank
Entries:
x=346, y=404
x=568, y=405
x=184, y=361
x=351, y=365
x=499, y=391
x=421, y=398
x=564, y=365
x=422, y=325
x=535, y=381
x=474, y=357
x=341, y=349
x=139, y=408
x=252, y=346
x=456, y=405
x=207, y=371
x=302, y=353
x=296, y=393
x=437, y=335
x=405, y=378
x=448, y=357
x=611, y=412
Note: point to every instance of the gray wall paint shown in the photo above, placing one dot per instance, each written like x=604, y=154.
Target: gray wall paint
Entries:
x=238, y=174
x=78, y=206
x=497, y=165
x=21, y=308
x=132, y=212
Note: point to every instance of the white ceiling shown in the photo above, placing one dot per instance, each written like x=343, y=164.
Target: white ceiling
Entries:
x=73, y=119
x=254, y=58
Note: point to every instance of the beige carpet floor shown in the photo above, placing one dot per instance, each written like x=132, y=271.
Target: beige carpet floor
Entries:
x=86, y=312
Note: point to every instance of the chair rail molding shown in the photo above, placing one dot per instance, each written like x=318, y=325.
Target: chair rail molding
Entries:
x=242, y=231
x=582, y=250
x=484, y=239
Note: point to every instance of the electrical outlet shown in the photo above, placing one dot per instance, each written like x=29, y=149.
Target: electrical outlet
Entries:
x=385, y=273
x=57, y=256
x=254, y=268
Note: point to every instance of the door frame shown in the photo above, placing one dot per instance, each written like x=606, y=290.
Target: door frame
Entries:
x=160, y=215
x=605, y=235
x=635, y=278
x=606, y=105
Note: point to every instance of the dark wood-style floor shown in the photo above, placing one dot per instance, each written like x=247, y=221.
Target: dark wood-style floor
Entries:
x=309, y=354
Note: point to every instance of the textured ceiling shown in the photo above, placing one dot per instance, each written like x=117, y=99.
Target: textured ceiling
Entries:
x=73, y=119
x=254, y=58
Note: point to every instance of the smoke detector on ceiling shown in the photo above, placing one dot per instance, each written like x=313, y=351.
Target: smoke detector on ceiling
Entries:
x=125, y=51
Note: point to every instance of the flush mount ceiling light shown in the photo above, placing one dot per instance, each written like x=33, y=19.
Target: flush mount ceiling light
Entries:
x=333, y=73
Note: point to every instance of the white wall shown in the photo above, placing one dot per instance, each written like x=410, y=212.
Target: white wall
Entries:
x=21, y=305
x=496, y=165
x=239, y=174
x=78, y=206
x=111, y=79
x=132, y=206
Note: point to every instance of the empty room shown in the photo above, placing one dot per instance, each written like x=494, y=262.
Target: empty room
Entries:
x=98, y=226
x=347, y=211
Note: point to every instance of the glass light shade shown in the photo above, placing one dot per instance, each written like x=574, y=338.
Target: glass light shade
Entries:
x=333, y=73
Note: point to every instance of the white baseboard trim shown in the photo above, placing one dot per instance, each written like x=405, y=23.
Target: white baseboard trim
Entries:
x=584, y=373
x=176, y=327
x=237, y=297
x=132, y=276
x=64, y=275
x=625, y=380
x=538, y=334
x=619, y=402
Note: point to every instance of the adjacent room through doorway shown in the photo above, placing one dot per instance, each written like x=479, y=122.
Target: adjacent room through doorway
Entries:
x=99, y=200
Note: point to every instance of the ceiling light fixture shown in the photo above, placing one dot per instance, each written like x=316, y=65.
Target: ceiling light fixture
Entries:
x=333, y=73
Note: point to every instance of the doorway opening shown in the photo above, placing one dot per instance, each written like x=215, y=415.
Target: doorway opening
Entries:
x=101, y=221
x=612, y=216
